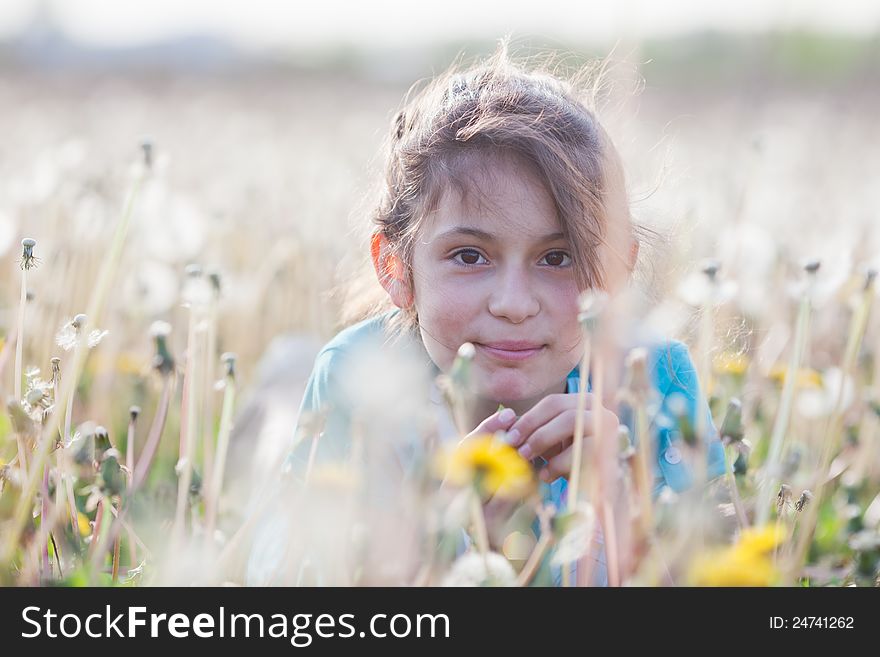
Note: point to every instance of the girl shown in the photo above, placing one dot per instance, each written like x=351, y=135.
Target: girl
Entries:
x=503, y=200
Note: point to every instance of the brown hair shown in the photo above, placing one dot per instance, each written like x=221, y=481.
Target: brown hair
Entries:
x=497, y=107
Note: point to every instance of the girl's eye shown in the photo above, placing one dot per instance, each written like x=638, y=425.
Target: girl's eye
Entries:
x=558, y=259
x=468, y=257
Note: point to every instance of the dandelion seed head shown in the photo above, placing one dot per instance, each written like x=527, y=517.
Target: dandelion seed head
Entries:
x=66, y=337
x=95, y=337
x=28, y=261
x=197, y=290
x=79, y=321
x=783, y=498
x=575, y=534
x=228, y=359
x=133, y=412
x=147, y=152
x=591, y=303
x=805, y=498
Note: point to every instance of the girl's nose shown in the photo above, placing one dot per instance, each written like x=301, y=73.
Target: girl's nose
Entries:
x=512, y=296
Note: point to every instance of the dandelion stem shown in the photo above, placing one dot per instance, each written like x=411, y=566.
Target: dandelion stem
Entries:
x=531, y=566
x=481, y=535
x=611, y=554
x=640, y=383
x=577, y=449
x=188, y=424
x=155, y=434
x=777, y=439
x=741, y=519
x=117, y=545
x=44, y=521
x=834, y=426
x=129, y=444
x=226, y=414
x=96, y=532
x=22, y=455
x=577, y=445
x=57, y=556
x=19, y=343
x=209, y=376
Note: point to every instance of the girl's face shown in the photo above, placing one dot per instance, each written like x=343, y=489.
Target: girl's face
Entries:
x=491, y=267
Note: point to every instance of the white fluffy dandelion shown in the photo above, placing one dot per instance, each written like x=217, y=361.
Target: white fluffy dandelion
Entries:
x=69, y=334
x=475, y=569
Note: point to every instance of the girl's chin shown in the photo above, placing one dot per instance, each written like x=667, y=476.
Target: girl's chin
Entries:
x=506, y=389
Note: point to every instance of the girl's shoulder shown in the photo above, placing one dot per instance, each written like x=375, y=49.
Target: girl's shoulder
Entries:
x=360, y=334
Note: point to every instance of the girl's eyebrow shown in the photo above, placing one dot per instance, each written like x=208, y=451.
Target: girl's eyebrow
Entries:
x=490, y=237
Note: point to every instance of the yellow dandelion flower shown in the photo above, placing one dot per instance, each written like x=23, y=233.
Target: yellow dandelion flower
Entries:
x=760, y=541
x=806, y=377
x=491, y=465
x=747, y=563
x=730, y=362
x=732, y=568
x=82, y=521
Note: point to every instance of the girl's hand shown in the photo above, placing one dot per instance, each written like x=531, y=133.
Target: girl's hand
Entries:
x=498, y=421
x=547, y=430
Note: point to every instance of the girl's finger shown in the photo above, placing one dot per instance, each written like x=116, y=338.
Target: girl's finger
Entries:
x=556, y=449
x=558, y=466
x=544, y=411
x=554, y=434
x=498, y=421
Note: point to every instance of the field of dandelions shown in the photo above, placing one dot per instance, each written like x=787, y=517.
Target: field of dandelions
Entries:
x=168, y=246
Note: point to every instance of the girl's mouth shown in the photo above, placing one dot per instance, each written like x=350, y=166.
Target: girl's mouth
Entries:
x=508, y=351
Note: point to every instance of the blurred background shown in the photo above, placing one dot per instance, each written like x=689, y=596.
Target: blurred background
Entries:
x=748, y=130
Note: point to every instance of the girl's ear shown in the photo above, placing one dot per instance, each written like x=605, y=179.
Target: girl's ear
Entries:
x=390, y=271
x=633, y=253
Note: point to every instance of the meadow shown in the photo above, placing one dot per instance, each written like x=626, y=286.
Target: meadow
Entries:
x=186, y=237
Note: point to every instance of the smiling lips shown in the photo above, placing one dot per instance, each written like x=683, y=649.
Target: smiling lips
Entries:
x=512, y=350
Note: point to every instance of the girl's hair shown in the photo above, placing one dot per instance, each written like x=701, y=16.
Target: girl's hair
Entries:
x=498, y=108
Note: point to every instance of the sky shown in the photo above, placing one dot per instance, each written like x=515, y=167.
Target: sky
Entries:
x=261, y=24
